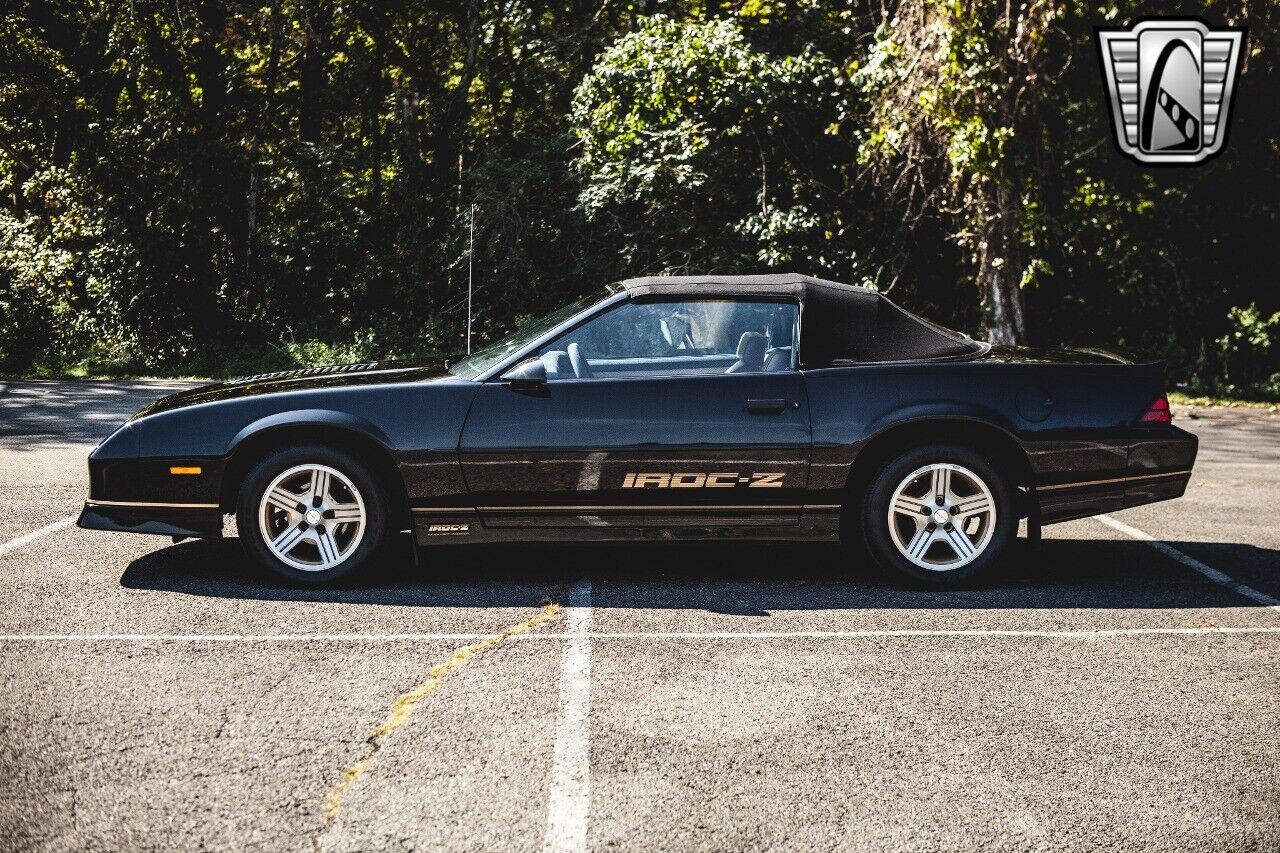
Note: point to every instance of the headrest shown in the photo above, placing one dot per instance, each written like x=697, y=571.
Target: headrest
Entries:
x=751, y=347
x=581, y=367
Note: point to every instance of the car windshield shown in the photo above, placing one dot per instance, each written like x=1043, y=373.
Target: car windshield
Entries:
x=483, y=360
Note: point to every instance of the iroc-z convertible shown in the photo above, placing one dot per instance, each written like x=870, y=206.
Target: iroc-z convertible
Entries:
x=769, y=407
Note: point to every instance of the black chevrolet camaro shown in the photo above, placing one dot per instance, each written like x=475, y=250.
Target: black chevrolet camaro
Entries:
x=765, y=407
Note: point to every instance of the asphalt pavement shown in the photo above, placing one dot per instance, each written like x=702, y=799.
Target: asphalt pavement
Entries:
x=1118, y=688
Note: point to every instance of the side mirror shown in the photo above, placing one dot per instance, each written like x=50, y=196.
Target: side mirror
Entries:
x=528, y=377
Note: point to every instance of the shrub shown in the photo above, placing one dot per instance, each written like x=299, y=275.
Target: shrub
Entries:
x=1250, y=352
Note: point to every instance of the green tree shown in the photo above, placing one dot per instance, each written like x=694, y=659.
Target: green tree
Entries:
x=211, y=185
x=953, y=129
x=702, y=152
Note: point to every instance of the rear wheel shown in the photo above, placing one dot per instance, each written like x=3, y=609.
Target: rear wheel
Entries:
x=311, y=514
x=939, y=514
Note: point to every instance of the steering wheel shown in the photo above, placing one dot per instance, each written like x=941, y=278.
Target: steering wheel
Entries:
x=581, y=368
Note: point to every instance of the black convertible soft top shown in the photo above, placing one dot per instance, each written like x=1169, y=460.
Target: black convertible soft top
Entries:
x=842, y=324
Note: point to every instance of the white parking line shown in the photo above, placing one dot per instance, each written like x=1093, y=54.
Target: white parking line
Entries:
x=570, y=801
x=14, y=544
x=870, y=633
x=1191, y=562
x=1076, y=634
x=242, y=638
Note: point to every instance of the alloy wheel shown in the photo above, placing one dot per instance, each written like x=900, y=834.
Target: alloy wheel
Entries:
x=312, y=517
x=942, y=516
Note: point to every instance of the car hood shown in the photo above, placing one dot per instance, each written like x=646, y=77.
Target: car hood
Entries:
x=304, y=379
x=1078, y=355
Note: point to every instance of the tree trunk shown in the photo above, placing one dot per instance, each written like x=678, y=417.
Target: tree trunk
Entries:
x=448, y=146
x=319, y=29
x=255, y=143
x=377, y=98
x=212, y=159
x=1000, y=268
x=413, y=205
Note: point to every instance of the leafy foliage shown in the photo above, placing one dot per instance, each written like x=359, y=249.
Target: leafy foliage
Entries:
x=197, y=186
x=953, y=126
x=1251, y=351
x=695, y=146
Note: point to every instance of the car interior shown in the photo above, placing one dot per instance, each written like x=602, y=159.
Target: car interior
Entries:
x=682, y=339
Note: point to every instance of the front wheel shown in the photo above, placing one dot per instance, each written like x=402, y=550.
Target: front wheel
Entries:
x=311, y=514
x=939, y=514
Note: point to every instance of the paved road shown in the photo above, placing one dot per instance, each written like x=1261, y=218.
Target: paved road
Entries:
x=1101, y=693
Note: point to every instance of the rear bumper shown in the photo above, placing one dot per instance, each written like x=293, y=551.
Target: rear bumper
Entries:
x=198, y=520
x=1159, y=468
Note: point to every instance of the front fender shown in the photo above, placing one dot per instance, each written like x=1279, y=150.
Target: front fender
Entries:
x=308, y=418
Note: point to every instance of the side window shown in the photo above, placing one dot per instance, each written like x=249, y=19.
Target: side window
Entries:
x=677, y=338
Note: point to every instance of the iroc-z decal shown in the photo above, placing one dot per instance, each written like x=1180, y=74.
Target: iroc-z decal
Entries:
x=449, y=529
x=717, y=480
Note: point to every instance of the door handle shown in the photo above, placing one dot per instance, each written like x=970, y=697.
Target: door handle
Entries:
x=766, y=407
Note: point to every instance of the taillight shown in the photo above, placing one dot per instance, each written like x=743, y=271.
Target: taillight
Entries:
x=1158, y=413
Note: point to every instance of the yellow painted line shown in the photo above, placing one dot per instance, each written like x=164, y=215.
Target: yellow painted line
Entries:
x=403, y=707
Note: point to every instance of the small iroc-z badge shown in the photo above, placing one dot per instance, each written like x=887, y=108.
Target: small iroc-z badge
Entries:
x=1170, y=82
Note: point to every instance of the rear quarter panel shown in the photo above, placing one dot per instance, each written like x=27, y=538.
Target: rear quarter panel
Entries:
x=1073, y=421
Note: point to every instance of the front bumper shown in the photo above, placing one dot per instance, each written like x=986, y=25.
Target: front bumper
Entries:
x=147, y=495
x=194, y=520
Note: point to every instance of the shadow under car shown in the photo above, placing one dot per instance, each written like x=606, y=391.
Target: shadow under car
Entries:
x=728, y=578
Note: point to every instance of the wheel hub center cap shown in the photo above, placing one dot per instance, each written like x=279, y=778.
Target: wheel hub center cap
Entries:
x=941, y=516
x=313, y=516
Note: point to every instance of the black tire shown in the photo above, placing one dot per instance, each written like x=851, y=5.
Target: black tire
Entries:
x=260, y=477
x=875, y=515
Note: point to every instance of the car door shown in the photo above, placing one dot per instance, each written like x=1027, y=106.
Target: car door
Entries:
x=654, y=414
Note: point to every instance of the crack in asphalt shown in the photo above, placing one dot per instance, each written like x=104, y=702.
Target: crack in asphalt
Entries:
x=403, y=707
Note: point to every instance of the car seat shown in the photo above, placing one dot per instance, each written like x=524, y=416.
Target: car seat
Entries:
x=751, y=347
x=558, y=364
x=777, y=360
x=581, y=368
